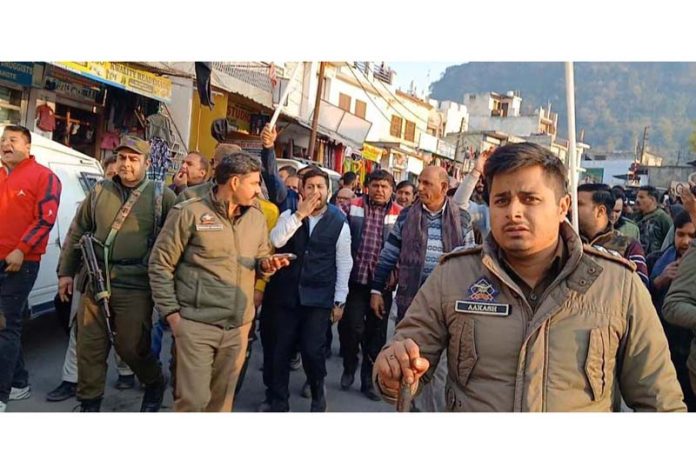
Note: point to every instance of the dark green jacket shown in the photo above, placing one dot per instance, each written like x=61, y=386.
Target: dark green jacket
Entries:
x=130, y=252
x=680, y=303
x=653, y=230
x=204, y=262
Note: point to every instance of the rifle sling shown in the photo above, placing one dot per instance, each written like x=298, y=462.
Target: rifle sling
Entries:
x=116, y=226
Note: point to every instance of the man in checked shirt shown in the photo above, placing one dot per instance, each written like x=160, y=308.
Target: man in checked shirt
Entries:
x=371, y=219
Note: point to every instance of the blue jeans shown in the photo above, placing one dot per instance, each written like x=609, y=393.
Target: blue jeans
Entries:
x=14, y=291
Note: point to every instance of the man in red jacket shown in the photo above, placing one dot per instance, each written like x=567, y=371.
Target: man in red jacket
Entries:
x=29, y=198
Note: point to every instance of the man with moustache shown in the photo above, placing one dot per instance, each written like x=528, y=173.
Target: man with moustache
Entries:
x=120, y=214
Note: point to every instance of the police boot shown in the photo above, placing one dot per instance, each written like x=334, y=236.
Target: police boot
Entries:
x=318, y=396
x=154, y=394
x=62, y=392
x=93, y=405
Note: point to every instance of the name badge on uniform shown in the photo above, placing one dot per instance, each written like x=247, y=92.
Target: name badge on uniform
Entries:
x=482, y=300
x=208, y=223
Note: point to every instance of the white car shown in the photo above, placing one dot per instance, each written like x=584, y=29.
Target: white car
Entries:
x=77, y=173
x=299, y=163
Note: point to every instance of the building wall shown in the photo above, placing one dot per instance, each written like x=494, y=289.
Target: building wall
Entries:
x=202, y=118
x=382, y=102
x=376, y=107
x=478, y=104
x=482, y=104
x=662, y=176
x=181, y=106
x=454, y=113
x=611, y=168
x=520, y=126
x=296, y=99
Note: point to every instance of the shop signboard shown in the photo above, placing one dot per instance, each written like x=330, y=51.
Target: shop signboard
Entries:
x=17, y=73
x=69, y=89
x=445, y=149
x=399, y=160
x=593, y=175
x=371, y=153
x=239, y=118
x=124, y=77
x=251, y=146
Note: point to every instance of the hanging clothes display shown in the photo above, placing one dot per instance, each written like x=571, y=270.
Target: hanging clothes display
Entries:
x=46, y=117
x=203, y=72
x=160, y=160
x=338, y=158
x=110, y=140
x=159, y=126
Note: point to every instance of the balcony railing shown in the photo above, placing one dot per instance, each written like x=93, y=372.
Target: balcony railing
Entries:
x=383, y=74
x=253, y=73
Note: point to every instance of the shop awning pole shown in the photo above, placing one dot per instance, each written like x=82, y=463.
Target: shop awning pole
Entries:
x=572, y=155
x=279, y=107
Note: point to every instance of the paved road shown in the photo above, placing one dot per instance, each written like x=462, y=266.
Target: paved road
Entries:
x=44, y=345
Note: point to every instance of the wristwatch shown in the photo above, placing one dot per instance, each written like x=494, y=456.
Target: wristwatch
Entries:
x=339, y=305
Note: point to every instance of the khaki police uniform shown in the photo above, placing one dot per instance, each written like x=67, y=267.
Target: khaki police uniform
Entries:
x=569, y=345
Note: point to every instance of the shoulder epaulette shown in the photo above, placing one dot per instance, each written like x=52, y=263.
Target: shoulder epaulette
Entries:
x=461, y=251
x=601, y=252
x=183, y=204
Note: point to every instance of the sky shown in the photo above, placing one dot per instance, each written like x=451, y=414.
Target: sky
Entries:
x=417, y=71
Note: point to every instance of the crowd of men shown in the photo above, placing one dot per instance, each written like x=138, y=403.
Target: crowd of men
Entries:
x=500, y=305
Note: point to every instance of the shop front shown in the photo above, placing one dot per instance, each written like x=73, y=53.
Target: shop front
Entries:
x=403, y=162
x=89, y=106
x=68, y=109
x=333, y=150
x=243, y=98
x=15, y=81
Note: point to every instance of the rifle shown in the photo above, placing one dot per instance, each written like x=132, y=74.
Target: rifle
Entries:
x=96, y=278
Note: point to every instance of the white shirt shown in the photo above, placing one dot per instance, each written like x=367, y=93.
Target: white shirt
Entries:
x=287, y=225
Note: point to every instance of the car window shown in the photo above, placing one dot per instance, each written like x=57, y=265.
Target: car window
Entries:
x=89, y=180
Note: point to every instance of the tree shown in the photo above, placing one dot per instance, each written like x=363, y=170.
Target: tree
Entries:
x=692, y=138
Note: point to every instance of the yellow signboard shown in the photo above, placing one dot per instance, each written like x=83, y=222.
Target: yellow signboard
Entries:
x=371, y=153
x=123, y=76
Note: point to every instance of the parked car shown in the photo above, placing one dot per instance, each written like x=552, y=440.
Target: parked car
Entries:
x=299, y=163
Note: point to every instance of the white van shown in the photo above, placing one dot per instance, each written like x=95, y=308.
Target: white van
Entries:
x=299, y=163
x=77, y=173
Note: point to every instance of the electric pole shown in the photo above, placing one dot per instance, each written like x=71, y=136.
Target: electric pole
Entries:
x=315, y=116
x=457, y=152
x=642, y=145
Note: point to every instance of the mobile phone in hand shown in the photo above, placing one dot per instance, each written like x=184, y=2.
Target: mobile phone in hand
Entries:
x=289, y=256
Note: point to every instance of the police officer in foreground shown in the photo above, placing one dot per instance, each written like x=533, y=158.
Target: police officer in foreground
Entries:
x=202, y=272
x=533, y=320
x=129, y=242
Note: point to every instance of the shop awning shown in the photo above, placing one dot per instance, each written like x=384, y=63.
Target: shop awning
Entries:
x=251, y=80
x=123, y=76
